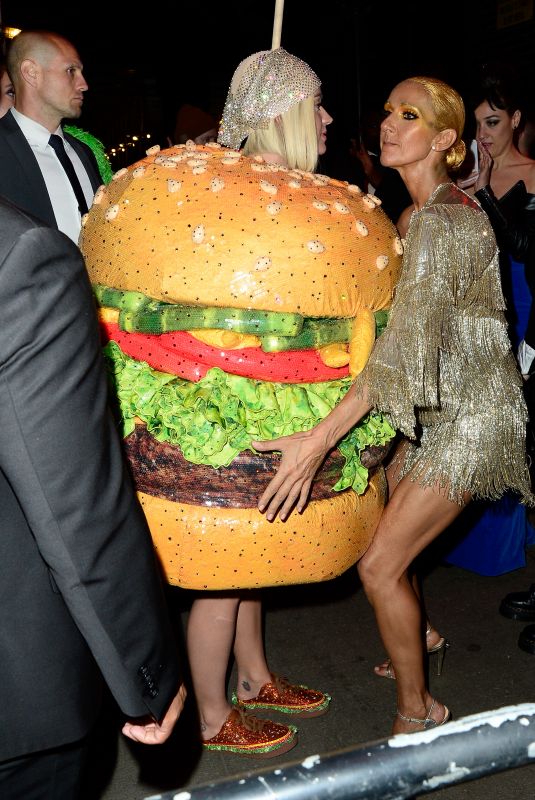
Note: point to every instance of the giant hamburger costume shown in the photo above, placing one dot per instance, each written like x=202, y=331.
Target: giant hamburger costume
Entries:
x=238, y=298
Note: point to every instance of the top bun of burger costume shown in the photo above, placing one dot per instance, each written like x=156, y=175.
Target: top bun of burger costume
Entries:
x=237, y=300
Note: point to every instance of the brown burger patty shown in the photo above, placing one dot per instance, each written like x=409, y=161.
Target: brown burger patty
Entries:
x=160, y=469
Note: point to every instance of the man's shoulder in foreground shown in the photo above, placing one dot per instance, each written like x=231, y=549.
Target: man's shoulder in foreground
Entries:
x=14, y=221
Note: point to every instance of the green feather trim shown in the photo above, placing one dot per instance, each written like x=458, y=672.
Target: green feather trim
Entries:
x=104, y=166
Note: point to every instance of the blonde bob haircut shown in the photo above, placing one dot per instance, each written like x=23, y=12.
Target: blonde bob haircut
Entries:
x=292, y=135
x=448, y=108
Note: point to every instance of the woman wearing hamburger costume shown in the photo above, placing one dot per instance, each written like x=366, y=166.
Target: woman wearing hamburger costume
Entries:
x=274, y=102
x=446, y=377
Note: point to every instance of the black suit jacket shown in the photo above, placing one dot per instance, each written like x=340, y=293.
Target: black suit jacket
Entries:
x=80, y=591
x=21, y=180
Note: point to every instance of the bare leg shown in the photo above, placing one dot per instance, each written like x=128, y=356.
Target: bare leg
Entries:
x=385, y=668
x=253, y=671
x=412, y=518
x=210, y=635
x=432, y=637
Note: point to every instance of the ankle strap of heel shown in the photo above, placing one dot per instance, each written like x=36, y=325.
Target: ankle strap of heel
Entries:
x=427, y=722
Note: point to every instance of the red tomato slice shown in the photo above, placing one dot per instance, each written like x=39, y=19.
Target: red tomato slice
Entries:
x=181, y=354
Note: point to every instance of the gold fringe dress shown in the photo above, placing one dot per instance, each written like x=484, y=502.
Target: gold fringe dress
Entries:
x=443, y=370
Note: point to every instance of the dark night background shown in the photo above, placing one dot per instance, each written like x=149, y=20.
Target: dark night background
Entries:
x=141, y=67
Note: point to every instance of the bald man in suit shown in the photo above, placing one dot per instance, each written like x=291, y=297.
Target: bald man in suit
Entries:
x=47, y=76
x=81, y=599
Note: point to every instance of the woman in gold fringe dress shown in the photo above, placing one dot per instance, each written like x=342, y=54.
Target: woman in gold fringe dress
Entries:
x=443, y=371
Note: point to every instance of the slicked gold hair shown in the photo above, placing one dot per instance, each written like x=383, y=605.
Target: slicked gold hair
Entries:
x=449, y=112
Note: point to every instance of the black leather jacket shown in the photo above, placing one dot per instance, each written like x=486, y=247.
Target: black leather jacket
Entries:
x=513, y=220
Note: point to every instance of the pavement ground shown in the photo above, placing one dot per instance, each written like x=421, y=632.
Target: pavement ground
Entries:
x=324, y=635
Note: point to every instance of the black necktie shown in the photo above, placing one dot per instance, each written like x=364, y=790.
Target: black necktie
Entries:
x=56, y=142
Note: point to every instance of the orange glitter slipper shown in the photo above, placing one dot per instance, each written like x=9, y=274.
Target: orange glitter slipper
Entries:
x=247, y=735
x=281, y=695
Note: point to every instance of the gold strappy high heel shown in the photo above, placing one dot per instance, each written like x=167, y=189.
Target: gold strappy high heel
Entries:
x=428, y=722
x=439, y=648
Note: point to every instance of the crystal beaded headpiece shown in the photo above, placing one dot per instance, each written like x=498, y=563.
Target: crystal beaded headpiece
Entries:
x=263, y=86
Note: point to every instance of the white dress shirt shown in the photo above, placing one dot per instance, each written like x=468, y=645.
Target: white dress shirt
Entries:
x=59, y=188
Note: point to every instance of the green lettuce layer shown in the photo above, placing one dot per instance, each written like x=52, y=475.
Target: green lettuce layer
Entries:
x=216, y=418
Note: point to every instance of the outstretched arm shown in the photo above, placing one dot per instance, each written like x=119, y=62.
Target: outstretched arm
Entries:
x=302, y=455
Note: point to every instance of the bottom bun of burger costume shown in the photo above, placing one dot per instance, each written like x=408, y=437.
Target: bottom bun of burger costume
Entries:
x=237, y=301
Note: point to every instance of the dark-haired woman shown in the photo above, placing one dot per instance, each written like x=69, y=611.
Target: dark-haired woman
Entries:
x=494, y=536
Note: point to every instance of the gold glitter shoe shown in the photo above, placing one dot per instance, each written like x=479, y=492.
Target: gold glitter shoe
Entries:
x=280, y=695
x=249, y=736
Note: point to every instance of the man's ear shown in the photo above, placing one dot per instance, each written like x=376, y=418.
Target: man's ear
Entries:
x=445, y=139
x=29, y=69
